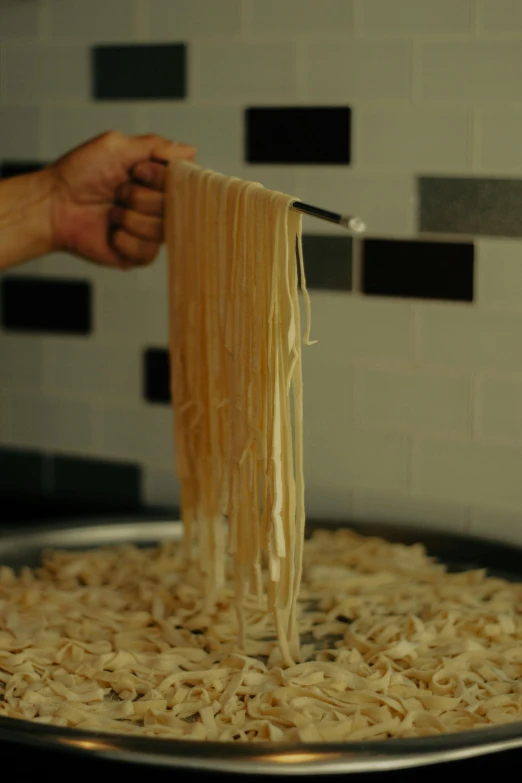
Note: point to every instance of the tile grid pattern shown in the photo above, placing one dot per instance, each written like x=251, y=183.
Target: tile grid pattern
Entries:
x=414, y=409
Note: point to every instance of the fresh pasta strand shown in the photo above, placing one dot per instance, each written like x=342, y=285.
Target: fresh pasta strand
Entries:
x=236, y=378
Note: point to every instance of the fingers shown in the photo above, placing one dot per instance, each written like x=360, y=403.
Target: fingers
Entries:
x=136, y=220
x=141, y=199
x=134, y=249
x=151, y=174
x=153, y=147
x=137, y=224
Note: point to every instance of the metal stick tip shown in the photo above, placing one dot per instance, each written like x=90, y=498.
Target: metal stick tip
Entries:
x=354, y=224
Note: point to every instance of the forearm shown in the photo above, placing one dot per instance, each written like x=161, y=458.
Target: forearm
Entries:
x=25, y=225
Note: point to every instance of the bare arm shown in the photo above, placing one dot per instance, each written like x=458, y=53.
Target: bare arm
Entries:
x=103, y=201
x=25, y=225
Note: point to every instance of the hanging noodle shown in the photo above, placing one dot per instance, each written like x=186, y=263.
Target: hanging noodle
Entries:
x=236, y=378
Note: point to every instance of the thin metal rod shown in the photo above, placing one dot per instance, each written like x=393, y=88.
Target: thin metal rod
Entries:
x=354, y=224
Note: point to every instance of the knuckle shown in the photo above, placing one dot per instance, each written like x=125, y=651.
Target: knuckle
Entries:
x=112, y=137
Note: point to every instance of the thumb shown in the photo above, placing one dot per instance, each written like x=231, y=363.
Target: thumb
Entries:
x=160, y=149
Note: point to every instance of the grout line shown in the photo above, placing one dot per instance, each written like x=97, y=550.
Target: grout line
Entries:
x=358, y=27
x=416, y=72
x=141, y=120
x=475, y=408
x=141, y=20
x=416, y=334
x=44, y=24
x=475, y=18
x=358, y=394
x=357, y=261
x=476, y=138
x=245, y=27
x=301, y=69
x=414, y=464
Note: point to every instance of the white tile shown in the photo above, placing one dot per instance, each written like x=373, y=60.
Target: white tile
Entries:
x=384, y=201
x=469, y=473
x=69, y=266
x=357, y=459
x=31, y=268
x=21, y=361
x=45, y=72
x=499, y=273
x=97, y=21
x=328, y=418
x=403, y=137
x=413, y=17
x=301, y=16
x=87, y=369
x=499, y=408
x=417, y=401
x=406, y=510
x=193, y=18
x=497, y=525
x=141, y=432
x=358, y=70
x=67, y=127
x=52, y=424
x=20, y=19
x=327, y=502
x=160, y=487
x=471, y=71
x=116, y=309
x=356, y=327
x=465, y=337
x=20, y=132
x=248, y=71
x=216, y=131
x=499, y=142
x=499, y=16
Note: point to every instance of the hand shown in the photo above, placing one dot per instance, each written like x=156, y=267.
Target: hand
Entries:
x=107, y=198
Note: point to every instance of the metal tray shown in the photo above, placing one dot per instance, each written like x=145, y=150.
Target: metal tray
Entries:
x=458, y=552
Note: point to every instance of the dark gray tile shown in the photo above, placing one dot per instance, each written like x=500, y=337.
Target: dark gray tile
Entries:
x=21, y=471
x=328, y=262
x=417, y=269
x=41, y=305
x=298, y=134
x=156, y=375
x=470, y=205
x=116, y=483
x=139, y=71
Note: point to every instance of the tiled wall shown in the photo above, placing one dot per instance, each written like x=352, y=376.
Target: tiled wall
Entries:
x=405, y=112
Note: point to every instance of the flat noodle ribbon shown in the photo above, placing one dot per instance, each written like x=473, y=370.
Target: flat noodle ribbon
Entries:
x=236, y=379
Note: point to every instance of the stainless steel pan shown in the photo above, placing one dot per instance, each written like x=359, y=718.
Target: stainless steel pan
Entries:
x=24, y=548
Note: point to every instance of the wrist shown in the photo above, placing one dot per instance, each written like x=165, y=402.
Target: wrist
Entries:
x=25, y=217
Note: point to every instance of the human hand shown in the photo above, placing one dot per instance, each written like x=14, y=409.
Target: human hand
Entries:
x=106, y=200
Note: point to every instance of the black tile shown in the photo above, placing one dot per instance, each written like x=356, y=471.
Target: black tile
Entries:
x=139, y=71
x=474, y=206
x=156, y=375
x=298, y=134
x=328, y=262
x=11, y=168
x=116, y=483
x=21, y=471
x=39, y=304
x=423, y=270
